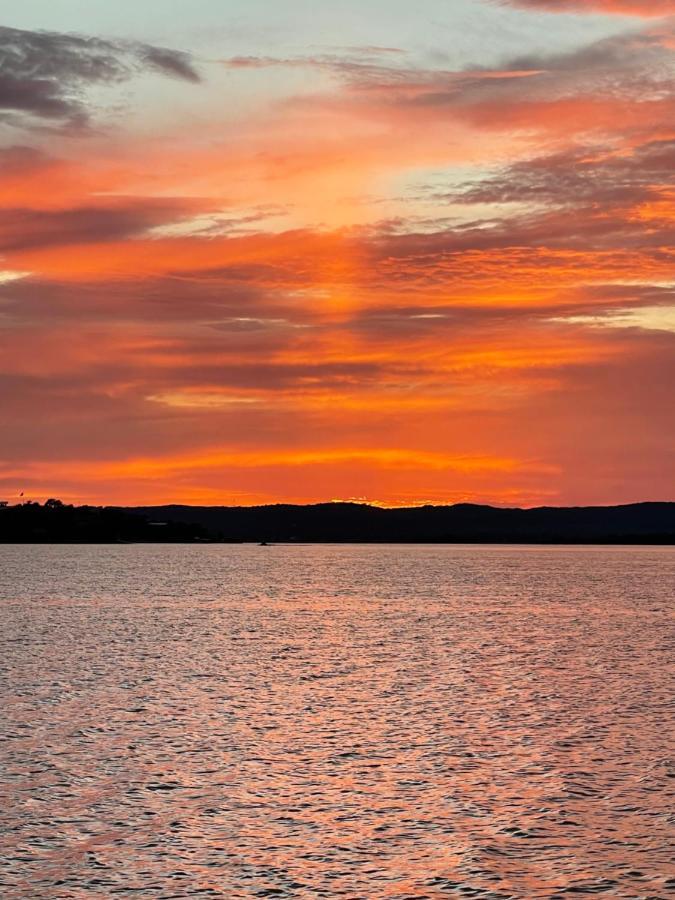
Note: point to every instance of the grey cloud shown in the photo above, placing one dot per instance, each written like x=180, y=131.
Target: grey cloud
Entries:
x=43, y=74
x=414, y=322
x=216, y=304
x=169, y=62
x=624, y=51
x=554, y=230
x=636, y=66
x=29, y=229
x=581, y=199
x=273, y=375
x=581, y=177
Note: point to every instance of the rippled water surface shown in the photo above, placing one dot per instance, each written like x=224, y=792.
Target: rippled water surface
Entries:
x=348, y=722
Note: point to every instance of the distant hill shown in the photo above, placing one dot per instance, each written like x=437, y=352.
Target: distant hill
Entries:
x=464, y=522
x=55, y=522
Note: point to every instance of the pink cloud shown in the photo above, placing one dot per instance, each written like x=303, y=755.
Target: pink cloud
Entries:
x=643, y=8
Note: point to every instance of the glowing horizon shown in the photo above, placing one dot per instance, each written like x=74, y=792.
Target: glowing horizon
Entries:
x=251, y=259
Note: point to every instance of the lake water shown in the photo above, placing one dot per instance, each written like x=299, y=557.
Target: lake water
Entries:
x=336, y=722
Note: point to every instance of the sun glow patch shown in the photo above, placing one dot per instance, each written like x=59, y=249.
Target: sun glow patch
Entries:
x=648, y=318
x=429, y=316
x=202, y=401
x=8, y=275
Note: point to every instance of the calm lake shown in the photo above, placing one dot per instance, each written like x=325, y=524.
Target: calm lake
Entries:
x=336, y=721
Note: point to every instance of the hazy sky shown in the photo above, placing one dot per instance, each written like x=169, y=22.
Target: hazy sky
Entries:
x=462, y=30
x=405, y=252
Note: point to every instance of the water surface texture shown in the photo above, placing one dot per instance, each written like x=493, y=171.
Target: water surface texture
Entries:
x=336, y=721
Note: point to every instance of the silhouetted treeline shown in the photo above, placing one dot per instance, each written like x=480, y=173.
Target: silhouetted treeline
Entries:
x=470, y=523
x=639, y=523
x=56, y=522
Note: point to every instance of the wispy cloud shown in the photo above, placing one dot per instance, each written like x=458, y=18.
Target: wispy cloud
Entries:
x=641, y=8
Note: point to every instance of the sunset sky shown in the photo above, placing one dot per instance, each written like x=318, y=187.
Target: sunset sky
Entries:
x=260, y=251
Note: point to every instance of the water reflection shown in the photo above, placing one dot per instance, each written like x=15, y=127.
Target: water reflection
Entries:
x=357, y=722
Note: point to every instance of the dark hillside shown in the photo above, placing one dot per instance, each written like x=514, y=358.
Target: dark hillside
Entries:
x=338, y=522
x=641, y=523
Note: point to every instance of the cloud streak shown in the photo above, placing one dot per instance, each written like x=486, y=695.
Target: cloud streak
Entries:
x=640, y=8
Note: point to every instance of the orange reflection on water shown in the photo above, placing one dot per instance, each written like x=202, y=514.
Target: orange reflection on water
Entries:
x=381, y=722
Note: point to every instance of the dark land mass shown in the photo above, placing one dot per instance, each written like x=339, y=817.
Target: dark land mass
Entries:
x=55, y=522
x=58, y=523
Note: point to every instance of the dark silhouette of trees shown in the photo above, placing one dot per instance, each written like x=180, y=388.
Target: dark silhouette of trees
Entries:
x=56, y=522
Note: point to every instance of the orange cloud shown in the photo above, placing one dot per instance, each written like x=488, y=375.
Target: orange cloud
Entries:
x=405, y=286
x=646, y=8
